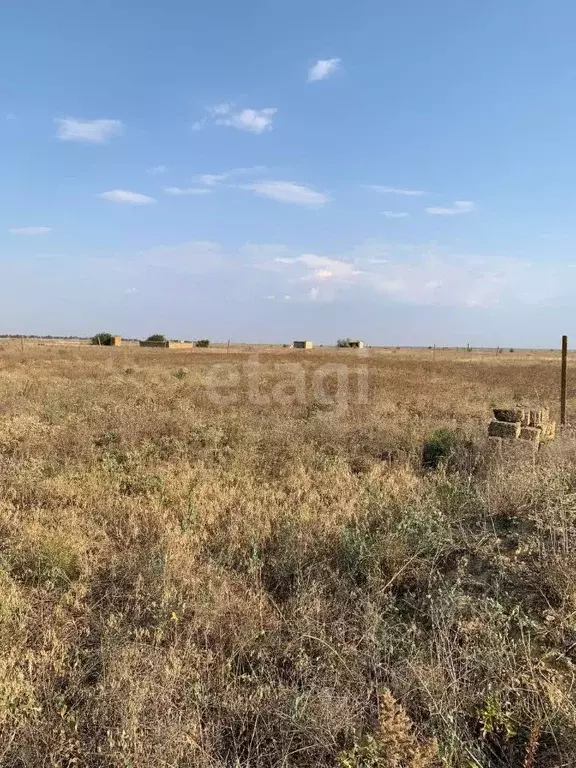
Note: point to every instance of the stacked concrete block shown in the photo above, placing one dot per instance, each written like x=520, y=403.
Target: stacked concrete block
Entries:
x=533, y=434
x=510, y=415
x=521, y=423
x=510, y=430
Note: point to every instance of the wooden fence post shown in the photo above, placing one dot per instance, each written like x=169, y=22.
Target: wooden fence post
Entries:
x=563, y=381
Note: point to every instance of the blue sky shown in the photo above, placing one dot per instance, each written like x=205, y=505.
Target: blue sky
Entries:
x=398, y=170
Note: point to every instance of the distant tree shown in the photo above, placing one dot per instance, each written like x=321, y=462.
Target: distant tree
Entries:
x=102, y=339
x=344, y=343
x=157, y=337
x=202, y=343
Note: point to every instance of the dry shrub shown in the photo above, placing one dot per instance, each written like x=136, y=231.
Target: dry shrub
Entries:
x=393, y=745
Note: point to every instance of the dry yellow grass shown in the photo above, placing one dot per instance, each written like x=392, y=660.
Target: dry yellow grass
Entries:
x=277, y=582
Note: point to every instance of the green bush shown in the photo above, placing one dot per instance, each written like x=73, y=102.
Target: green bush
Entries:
x=440, y=447
x=202, y=343
x=102, y=339
x=157, y=337
x=342, y=343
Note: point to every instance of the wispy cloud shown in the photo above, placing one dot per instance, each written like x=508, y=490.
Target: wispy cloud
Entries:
x=179, y=191
x=395, y=214
x=156, y=170
x=323, y=268
x=124, y=196
x=395, y=190
x=90, y=131
x=328, y=275
x=197, y=125
x=131, y=290
x=288, y=192
x=421, y=275
x=446, y=279
x=323, y=69
x=9, y=116
x=403, y=273
x=251, y=120
x=218, y=110
x=30, y=231
x=213, y=179
x=459, y=207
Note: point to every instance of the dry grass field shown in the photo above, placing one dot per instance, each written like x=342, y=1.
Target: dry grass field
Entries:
x=209, y=576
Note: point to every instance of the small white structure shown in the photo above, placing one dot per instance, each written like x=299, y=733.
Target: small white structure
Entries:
x=357, y=344
x=303, y=345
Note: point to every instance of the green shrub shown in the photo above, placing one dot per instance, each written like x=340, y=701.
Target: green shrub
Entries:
x=102, y=339
x=439, y=448
x=202, y=343
x=157, y=337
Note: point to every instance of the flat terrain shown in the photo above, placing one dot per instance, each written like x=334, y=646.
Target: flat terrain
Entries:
x=214, y=559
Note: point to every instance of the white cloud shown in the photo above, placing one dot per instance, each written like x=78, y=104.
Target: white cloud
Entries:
x=9, y=116
x=395, y=190
x=251, y=120
x=288, y=192
x=220, y=109
x=213, y=179
x=323, y=69
x=318, y=269
x=411, y=274
x=444, y=279
x=459, y=207
x=210, y=179
x=328, y=275
x=126, y=197
x=30, y=230
x=324, y=268
x=156, y=170
x=186, y=191
x=91, y=131
x=415, y=274
x=131, y=290
x=395, y=214
x=197, y=125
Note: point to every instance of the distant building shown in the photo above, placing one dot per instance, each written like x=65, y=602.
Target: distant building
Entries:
x=167, y=344
x=357, y=344
x=116, y=341
x=303, y=345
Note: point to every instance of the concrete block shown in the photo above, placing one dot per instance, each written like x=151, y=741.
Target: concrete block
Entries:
x=539, y=417
x=519, y=450
x=505, y=429
x=548, y=431
x=510, y=415
x=533, y=434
